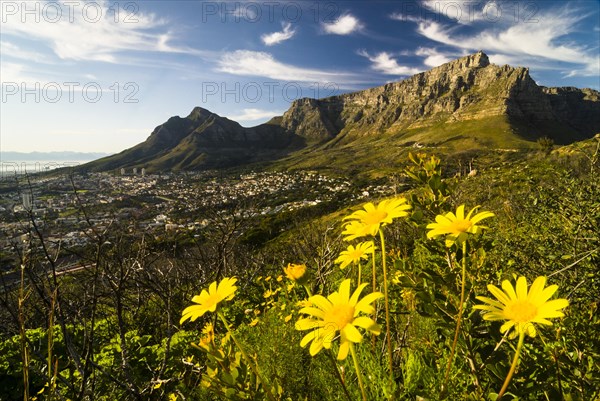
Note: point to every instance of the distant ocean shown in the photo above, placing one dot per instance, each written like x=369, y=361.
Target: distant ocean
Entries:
x=10, y=168
x=18, y=163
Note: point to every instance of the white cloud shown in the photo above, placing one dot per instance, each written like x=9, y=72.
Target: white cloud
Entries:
x=240, y=12
x=405, y=17
x=15, y=73
x=93, y=35
x=254, y=114
x=463, y=13
x=274, y=38
x=466, y=12
x=433, y=58
x=261, y=64
x=12, y=50
x=344, y=25
x=384, y=63
x=539, y=40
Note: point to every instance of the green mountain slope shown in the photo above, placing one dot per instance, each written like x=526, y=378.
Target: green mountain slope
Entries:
x=464, y=104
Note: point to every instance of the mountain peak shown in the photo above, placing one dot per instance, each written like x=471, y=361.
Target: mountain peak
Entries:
x=476, y=60
x=479, y=59
x=465, y=103
x=199, y=113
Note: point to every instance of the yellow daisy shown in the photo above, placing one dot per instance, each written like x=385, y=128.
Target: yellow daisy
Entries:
x=372, y=217
x=339, y=312
x=355, y=229
x=354, y=255
x=295, y=272
x=521, y=309
x=456, y=227
x=208, y=336
x=209, y=300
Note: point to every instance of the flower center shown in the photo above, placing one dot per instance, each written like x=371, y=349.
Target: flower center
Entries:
x=212, y=299
x=521, y=311
x=339, y=316
x=375, y=217
x=460, y=226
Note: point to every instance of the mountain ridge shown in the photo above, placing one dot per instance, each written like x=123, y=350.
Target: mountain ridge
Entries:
x=467, y=102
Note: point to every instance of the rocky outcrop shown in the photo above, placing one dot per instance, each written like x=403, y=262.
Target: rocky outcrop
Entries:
x=466, y=98
x=469, y=88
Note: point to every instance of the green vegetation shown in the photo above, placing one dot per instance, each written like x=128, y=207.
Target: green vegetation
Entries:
x=112, y=331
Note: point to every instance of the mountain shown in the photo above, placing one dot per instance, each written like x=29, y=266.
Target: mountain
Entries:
x=464, y=104
x=203, y=140
x=465, y=96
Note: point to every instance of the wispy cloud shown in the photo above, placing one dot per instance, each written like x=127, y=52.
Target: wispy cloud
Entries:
x=466, y=13
x=433, y=57
x=16, y=73
x=9, y=49
x=543, y=40
x=405, y=17
x=262, y=64
x=344, y=25
x=79, y=37
x=254, y=114
x=462, y=13
x=385, y=64
x=274, y=38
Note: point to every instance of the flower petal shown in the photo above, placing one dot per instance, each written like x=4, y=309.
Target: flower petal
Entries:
x=522, y=288
x=509, y=290
x=352, y=334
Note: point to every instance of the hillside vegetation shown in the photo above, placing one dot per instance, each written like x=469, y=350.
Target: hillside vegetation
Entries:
x=278, y=325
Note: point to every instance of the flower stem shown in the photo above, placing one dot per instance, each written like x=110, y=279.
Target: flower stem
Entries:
x=247, y=358
x=359, y=273
x=338, y=375
x=374, y=272
x=460, y=312
x=358, y=374
x=374, y=289
x=512, y=367
x=387, y=307
x=308, y=291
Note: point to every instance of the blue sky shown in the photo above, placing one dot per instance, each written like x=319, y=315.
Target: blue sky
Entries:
x=99, y=76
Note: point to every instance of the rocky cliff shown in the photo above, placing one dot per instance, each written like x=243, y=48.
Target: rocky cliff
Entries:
x=469, y=88
x=465, y=103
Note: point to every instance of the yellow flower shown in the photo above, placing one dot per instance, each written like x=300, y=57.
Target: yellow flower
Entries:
x=457, y=226
x=253, y=323
x=304, y=304
x=354, y=255
x=339, y=312
x=372, y=217
x=208, y=336
x=209, y=300
x=520, y=308
x=355, y=229
x=295, y=272
x=397, y=276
